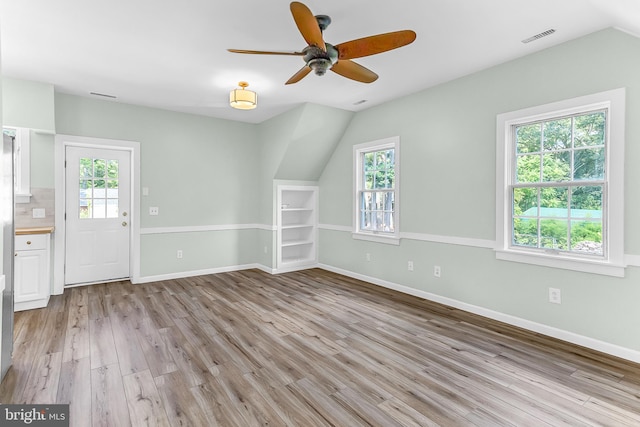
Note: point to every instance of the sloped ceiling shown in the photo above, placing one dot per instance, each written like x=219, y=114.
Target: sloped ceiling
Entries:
x=313, y=140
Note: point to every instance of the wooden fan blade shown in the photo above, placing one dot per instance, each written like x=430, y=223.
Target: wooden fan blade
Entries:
x=299, y=75
x=375, y=44
x=354, y=71
x=307, y=25
x=264, y=52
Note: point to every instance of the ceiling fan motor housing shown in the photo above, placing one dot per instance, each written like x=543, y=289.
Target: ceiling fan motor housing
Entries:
x=319, y=60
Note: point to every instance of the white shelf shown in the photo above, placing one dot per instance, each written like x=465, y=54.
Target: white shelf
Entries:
x=297, y=243
x=296, y=226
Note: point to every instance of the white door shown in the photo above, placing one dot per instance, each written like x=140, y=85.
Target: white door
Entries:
x=98, y=197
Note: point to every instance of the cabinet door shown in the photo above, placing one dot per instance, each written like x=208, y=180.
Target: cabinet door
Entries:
x=30, y=275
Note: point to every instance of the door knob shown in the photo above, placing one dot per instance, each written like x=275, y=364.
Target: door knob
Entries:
x=124, y=223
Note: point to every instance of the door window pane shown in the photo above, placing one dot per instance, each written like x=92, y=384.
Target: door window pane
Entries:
x=85, y=208
x=112, y=169
x=86, y=168
x=99, y=208
x=99, y=166
x=112, y=208
x=98, y=196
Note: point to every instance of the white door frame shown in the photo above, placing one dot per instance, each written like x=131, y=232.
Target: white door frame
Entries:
x=59, y=248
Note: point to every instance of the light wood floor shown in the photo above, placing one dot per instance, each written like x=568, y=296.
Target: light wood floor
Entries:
x=305, y=349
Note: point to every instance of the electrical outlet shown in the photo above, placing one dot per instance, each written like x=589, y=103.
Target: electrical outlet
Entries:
x=555, y=296
x=368, y=256
x=154, y=210
x=436, y=271
x=38, y=212
x=179, y=254
x=265, y=250
x=410, y=266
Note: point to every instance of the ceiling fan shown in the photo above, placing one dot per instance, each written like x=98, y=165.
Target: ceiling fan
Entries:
x=320, y=56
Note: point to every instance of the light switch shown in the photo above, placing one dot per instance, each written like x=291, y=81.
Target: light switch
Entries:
x=38, y=212
x=145, y=191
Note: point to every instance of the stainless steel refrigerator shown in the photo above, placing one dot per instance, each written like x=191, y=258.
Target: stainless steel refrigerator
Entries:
x=7, y=215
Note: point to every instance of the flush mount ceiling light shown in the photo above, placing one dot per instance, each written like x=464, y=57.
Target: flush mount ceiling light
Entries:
x=243, y=99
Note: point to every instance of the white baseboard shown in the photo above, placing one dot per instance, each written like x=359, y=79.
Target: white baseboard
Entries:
x=192, y=273
x=594, y=344
x=293, y=268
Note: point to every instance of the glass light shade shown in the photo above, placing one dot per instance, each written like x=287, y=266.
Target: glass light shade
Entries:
x=243, y=99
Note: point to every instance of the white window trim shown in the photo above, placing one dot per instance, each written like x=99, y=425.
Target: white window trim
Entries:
x=22, y=149
x=375, y=236
x=613, y=264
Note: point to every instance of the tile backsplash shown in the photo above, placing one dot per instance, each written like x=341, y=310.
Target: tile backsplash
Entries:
x=41, y=198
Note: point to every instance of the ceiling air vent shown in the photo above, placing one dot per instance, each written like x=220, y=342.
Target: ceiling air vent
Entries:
x=539, y=36
x=104, y=95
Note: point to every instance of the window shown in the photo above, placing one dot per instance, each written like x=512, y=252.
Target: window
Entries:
x=377, y=190
x=560, y=184
x=98, y=188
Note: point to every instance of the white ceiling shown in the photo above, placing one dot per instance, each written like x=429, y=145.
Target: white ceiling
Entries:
x=172, y=54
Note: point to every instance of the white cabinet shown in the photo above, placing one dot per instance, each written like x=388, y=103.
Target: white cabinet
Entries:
x=297, y=224
x=32, y=286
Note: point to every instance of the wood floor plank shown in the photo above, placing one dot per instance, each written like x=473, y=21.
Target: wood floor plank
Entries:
x=130, y=356
x=42, y=385
x=405, y=414
x=154, y=348
x=308, y=348
x=145, y=405
x=244, y=399
x=181, y=407
x=77, y=342
x=74, y=389
x=185, y=356
x=325, y=406
x=102, y=346
x=108, y=402
x=293, y=411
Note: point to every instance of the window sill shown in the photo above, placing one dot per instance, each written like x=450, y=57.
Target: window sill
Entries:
x=378, y=238
x=22, y=198
x=565, y=262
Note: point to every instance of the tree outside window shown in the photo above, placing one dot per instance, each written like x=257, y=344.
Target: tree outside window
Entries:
x=558, y=184
x=376, y=177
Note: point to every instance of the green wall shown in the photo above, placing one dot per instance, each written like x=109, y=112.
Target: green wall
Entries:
x=208, y=172
x=448, y=172
x=200, y=171
x=28, y=104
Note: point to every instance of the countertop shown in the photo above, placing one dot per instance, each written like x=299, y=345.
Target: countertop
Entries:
x=34, y=230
